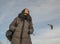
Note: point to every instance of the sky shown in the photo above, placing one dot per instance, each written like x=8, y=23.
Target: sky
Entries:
x=43, y=12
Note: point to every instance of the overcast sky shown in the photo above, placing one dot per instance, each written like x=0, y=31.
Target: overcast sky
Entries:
x=43, y=12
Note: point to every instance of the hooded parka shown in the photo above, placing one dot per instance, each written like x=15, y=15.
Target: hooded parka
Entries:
x=22, y=28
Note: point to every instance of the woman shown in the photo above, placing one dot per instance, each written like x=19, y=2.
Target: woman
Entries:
x=22, y=27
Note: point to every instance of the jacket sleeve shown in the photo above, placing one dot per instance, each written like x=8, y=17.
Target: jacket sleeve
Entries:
x=31, y=29
x=13, y=25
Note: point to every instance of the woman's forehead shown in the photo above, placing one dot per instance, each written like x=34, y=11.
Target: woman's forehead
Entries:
x=26, y=9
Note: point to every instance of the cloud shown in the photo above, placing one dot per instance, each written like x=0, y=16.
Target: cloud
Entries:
x=3, y=42
x=47, y=11
x=47, y=37
x=42, y=12
x=47, y=41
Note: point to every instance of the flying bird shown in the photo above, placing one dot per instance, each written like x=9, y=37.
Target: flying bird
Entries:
x=51, y=26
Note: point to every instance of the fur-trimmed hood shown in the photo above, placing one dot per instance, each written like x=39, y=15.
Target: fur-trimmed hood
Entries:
x=22, y=16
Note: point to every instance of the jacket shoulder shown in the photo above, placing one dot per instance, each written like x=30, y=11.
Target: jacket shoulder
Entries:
x=16, y=18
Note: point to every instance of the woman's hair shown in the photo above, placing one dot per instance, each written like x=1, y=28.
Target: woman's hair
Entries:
x=24, y=10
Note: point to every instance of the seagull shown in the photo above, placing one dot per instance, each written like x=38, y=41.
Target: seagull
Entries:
x=51, y=26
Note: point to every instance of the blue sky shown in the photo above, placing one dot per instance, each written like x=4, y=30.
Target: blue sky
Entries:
x=42, y=13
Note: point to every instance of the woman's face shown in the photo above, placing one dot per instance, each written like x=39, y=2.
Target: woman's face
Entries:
x=26, y=12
